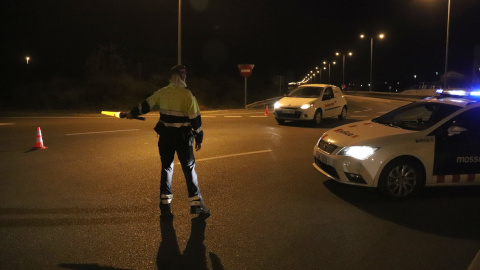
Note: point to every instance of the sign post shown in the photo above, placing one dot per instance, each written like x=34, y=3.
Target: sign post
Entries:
x=245, y=71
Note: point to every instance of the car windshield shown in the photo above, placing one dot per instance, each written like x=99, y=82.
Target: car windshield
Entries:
x=417, y=115
x=306, y=92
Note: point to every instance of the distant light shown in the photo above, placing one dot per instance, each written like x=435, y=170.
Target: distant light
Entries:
x=381, y=36
x=28, y=59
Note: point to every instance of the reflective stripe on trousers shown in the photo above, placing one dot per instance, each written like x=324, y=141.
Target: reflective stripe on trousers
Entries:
x=166, y=198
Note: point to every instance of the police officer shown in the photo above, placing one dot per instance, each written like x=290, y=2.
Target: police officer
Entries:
x=180, y=128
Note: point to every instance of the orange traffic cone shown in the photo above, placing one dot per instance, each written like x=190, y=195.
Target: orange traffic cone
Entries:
x=39, y=141
x=266, y=110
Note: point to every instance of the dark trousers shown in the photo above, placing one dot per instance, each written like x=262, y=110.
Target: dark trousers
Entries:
x=176, y=140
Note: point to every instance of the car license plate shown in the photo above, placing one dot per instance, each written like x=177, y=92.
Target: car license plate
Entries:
x=289, y=111
x=323, y=159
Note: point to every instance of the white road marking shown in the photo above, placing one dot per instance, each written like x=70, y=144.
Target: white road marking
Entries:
x=234, y=116
x=233, y=155
x=7, y=124
x=232, y=113
x=100, y=132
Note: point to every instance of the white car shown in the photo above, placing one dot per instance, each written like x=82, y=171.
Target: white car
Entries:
x=311, y=102
x=432, y=142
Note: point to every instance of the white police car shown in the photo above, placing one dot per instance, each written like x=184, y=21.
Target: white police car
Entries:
x=432, y=142
x=311, y=102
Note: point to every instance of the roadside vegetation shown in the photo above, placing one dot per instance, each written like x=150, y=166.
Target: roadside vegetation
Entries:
x=108, y=85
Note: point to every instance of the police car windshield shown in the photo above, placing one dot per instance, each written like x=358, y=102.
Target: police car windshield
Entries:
x=306, y=92
x=417, y=116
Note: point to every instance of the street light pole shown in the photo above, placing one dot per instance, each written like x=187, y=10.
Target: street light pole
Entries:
x=343, y=66
x=179, y=35
x=381, y=36
x=446, y=48
x=371, y=62
x=329, y=63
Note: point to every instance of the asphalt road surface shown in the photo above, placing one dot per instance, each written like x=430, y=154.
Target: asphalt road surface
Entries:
x=90, y=201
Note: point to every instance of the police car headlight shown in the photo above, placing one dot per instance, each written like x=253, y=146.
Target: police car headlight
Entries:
x=306, y=106
x=277, y=105
x=358, y=152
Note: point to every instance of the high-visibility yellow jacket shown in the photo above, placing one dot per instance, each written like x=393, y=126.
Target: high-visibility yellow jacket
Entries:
x=178, y=109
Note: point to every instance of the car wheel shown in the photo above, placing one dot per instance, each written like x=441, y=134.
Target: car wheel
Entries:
x=280, y=121
x=401, y=178
x=317, y=118
x=343, y=114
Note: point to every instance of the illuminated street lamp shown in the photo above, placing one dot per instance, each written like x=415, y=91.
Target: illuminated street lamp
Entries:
x=319, y=71
x=380, y=36
x=329, y=63
x=28, y=59
x=343, y=66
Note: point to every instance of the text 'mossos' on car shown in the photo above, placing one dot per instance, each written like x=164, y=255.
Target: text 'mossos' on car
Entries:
x=311, y=102
x=432, y=142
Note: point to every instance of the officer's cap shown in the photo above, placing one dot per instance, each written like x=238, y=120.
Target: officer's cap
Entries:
x=180, y=69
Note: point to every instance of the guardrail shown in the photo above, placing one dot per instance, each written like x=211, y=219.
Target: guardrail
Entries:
x=405, y=95
x=409, y=95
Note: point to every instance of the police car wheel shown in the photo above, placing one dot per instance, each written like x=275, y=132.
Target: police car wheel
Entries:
x=401, y=178
x=280, y=121
x=317, y=118
x=343, y=114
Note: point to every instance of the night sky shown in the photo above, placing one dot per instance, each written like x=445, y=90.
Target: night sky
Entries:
x=281, y=37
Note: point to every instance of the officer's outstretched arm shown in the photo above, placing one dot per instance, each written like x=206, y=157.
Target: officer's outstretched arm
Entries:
x=142, y=108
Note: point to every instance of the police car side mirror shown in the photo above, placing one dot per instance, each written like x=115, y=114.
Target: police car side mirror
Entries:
x=455, y=130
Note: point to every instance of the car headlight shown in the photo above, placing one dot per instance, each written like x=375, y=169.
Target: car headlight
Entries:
x=358, y=152
x=277, y=105
x=306, y=106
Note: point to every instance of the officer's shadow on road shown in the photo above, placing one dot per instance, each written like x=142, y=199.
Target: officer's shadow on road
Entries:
x=445, y=211
x=194, y=256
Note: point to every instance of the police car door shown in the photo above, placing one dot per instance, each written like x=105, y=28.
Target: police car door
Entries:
x=329, y=102
x=457, y=149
